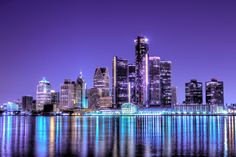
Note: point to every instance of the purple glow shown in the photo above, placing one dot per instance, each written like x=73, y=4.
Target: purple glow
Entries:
x=58, y=38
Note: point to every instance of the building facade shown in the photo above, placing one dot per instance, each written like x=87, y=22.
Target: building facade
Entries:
x=165, y=79
x=119, y=82
x=174, y=96
x=67, y=95
x=94, y=95
x=193, y=92
x=214, y=92
x=55, y=97
x=101, y=80
x=27, y=103
x=43, y=94
x=141, y=69
x=80, y=93
x=100, y=93
x=154, y=98
x=131, y=82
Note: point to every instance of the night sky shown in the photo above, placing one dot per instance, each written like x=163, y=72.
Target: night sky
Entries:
x=57, y=39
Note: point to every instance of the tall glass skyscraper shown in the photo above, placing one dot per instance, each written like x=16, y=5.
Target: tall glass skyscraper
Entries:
x=141, y=62
x=193, y=92
x=165, y=79
x=43, y=94
x=215, y=92
x=154, y=81
x=119, y=81
x=80, y=93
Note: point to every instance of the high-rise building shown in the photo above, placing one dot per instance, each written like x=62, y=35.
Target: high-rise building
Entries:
x=173, y=95
x=55, y=98
x=215, y=92
x=154, y=81
x=165, y=79
x=100, y=93
x=80, y=93
x=119, y=82
x=43, y=94
x=141, y=62
x=93, y=98
x=193, y=92
x=101, y=80
x=67, y=95
x=131, y=82
x=27, y=103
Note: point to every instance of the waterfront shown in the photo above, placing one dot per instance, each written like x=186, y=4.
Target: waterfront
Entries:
x=117, y=135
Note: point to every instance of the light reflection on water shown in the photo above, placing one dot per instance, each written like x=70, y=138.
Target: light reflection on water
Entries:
x=118, y=136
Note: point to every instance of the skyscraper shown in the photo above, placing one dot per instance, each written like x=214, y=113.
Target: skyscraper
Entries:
x=55, y=98
x=93, y=98
x=131, y=82
x=141, y=62
x=119, y=81
x=215, y=92
x=43, y=94
x=80, y=93
x=193, y=92
x=173, y=95
x=27, y=103
x=154, y=81
x=67, y=95
x=101, y=80
x=101, y=90
x=165, y=79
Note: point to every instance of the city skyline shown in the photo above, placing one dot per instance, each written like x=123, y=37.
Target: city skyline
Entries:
x=26, y=61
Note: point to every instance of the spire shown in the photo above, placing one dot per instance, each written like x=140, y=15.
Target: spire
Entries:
x=80, y=74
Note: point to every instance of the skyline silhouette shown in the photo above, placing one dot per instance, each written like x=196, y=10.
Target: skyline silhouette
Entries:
x=58, y=40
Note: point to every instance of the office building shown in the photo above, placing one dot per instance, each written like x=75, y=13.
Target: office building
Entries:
x=43, y=94
x=94, y=95
x=80, y=93
x=101, y=80
x=174, y=96
x=100, y=93
x=165, y=79
x=67, y=95
x=55, y=98
x=193, y=92
x=27, y=103
x=215, y=92
x=119, y=82
x=154, y=98
x=141, y=65
x=131, y=82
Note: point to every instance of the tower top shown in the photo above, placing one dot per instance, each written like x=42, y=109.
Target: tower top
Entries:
x=44, y=80
x=141, y=39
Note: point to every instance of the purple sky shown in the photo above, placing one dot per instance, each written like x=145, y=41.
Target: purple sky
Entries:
x=57, y=39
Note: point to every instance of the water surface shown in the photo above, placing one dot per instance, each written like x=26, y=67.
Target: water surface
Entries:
x=117, y=136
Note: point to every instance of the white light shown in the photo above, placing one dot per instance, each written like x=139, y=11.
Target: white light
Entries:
x=146, y=39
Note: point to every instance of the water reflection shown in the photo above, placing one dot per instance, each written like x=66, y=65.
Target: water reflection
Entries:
x=118, y=136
